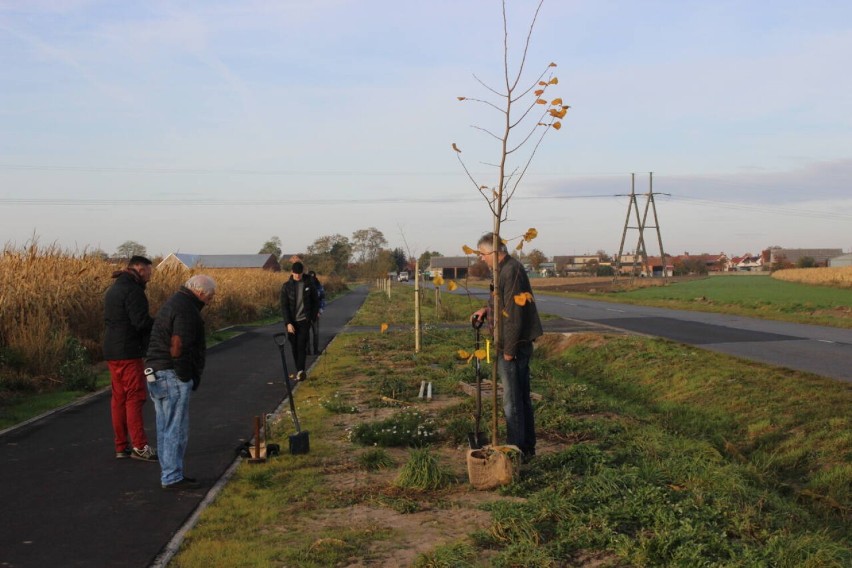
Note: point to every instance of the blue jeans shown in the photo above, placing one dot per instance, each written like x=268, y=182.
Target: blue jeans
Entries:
x=170, y=396
x=517, y=406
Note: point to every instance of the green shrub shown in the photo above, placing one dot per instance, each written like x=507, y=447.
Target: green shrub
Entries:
x=76, y=371
x=406, y=428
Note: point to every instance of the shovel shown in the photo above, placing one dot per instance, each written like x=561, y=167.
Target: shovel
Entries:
x=477, y=439
x=299, y=442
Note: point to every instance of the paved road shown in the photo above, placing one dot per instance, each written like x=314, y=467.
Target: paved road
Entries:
x=66, y=501
x=826, y=351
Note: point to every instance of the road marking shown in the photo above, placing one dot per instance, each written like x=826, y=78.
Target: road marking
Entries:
x=614, y=310
x=825, y=341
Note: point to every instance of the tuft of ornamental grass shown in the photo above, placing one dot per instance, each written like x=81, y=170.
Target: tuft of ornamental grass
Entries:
x=423, y=472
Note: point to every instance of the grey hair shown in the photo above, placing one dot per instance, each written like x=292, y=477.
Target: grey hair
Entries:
x=201, y=283
x=488, y=239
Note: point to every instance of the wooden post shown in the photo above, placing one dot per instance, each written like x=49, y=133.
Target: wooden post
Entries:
x=417, y=306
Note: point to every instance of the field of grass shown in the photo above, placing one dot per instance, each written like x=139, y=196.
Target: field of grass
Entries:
x=712, y=461
x=757, y=296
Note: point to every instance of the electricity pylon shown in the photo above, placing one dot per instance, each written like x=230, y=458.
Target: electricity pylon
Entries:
x=641, y=225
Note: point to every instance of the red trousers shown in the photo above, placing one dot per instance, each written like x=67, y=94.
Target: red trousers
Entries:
x=129, y=392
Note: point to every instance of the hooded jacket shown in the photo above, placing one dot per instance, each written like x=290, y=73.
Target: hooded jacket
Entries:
x=126, y=317
x=178, y=338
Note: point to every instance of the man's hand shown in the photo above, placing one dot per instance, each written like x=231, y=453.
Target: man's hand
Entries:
x=478, y=315
x=291, y=329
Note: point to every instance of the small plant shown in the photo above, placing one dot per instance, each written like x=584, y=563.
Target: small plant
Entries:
x=336, y=405
x=374, y=459
x=406, y=428
x=76, y=372
x=423, y=472
x=454, y=555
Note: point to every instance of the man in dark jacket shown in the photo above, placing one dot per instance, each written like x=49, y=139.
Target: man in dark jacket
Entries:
x=176, y=356
x=127, y=329
x=299, y=307
x=520, y=327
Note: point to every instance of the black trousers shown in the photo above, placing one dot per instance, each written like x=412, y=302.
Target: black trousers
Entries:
x=299, y=343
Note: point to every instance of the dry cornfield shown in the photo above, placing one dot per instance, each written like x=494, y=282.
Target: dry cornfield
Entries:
x=48, y=296
x=836, y=277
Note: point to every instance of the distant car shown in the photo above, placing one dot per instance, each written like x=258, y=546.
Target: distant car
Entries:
x=402, y=277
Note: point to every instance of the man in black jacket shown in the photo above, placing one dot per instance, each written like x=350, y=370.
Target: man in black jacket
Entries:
x=126, y=332
x=176, y=357
x=520, y=327
x=299, y=307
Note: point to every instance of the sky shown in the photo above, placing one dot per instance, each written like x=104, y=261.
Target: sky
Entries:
x=211, y=126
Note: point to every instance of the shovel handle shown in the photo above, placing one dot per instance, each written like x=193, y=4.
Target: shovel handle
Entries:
x=280, y=339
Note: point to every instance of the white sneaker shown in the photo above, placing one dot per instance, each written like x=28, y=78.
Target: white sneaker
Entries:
x=145, y=454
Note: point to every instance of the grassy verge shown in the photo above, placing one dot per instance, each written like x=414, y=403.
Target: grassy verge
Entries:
x=19, y=406
x=755, y=296
x=650, y=453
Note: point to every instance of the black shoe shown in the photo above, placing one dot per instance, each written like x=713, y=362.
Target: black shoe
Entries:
x=125, y=453
x=185, y=483
x=527, y=456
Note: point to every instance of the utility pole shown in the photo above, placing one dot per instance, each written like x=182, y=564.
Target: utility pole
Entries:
x=641, y=225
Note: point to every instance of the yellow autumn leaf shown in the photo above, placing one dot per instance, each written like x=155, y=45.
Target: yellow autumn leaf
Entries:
x=554, y=81
x=520, y=246
x=480, y=354
x=541, y=102
x=468, y=250
x=438, y=280
x=461, y=98
x=542, y=83
x=505, y=314
x=557, y=101
x=558, y=113
x=383, y=327
x=552, y=64
x=522, y=298
x=451, y=285
x=456, y=148
x=557, y=125
x=463, y=354
x=538, y=92
x=530, y=234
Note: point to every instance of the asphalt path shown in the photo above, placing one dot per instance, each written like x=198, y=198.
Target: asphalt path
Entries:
x=822, y=350
x=66, y=500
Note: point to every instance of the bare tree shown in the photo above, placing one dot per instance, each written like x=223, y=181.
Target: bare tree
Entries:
x=128, y=249
x=524, y=118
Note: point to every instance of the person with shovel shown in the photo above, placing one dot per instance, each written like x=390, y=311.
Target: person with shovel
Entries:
x=520, y=327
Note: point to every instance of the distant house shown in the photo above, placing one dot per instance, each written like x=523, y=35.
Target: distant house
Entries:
x=577, y=264
x=842, y=260
x=746, y=263
x=450, y=266
x=793, y=256
x=186, y=260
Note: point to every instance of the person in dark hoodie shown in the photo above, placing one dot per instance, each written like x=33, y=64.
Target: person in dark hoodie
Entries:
x=127, y=329
x=299, y=307
x=176, y=357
